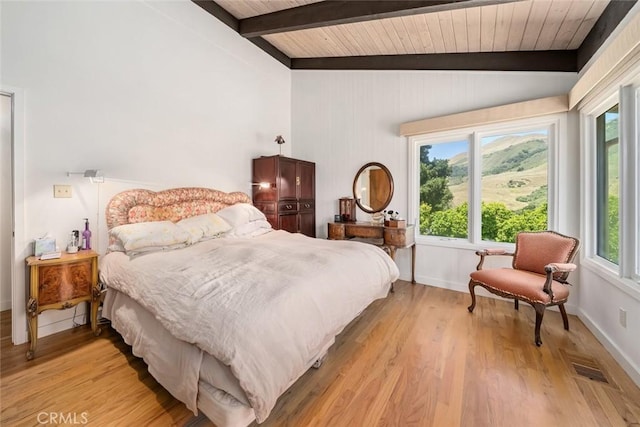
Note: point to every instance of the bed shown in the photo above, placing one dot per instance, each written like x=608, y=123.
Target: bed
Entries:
x=227, y=312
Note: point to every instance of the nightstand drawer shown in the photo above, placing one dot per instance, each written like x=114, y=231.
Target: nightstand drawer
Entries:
x=64, y=282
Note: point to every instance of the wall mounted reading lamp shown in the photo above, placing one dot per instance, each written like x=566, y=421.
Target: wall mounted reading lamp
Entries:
x=94, y=175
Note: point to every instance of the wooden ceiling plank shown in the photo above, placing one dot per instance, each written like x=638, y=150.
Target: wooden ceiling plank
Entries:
x=473, y=29
x=424, y=34
x=446, y=26
x=360, y=40
x=378, y=35
x=403, y=35
x=392, y=35
x=459, y=22
x=340, y=34
x=591, y=17
x=503, y=26
x=285, y=43
x=518, y=24
x=557, y=13
x=413, y=43
x=575, y=16
x=333, y=46
x=433, y=23
x=487, y=27
x=537, y=15
x=564, y=61
x=337, y=12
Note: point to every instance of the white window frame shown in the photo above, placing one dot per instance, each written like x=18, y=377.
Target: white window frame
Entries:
x=555, y=123
x=625, y=275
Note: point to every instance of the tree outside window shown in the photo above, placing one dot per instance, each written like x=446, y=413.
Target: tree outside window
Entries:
x=607, y=152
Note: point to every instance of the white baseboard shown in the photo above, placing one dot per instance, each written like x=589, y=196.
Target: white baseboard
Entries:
x=627, y=364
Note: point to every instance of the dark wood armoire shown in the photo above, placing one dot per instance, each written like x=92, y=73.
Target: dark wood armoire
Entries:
x=284, y=189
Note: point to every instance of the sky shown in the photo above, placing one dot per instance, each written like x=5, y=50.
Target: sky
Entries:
x=447, y=150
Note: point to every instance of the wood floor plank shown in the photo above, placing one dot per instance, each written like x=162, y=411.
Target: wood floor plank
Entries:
x=415, y=358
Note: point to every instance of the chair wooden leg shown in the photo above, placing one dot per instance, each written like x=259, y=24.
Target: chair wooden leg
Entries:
x=539, y=314
x=516, y=304
x=472, y=291
x=565, y=319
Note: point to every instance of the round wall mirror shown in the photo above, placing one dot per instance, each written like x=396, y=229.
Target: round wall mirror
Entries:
x=373, y=187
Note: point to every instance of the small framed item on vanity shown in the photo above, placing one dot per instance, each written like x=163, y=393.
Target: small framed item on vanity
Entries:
x=57, y=284
x=347, y=209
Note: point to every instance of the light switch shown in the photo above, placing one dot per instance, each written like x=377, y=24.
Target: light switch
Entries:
x=61, y=191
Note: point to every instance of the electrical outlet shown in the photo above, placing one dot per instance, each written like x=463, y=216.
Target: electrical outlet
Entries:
x=63, y=191
x=622, y=317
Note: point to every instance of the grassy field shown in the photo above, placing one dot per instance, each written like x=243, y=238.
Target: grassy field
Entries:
x=521, y=166
x=495, y=188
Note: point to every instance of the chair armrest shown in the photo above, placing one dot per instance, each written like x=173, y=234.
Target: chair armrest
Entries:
x=558, y=267
x=488, y=252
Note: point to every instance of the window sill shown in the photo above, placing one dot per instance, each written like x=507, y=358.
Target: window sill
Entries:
x=453, y=243
x=626, y=285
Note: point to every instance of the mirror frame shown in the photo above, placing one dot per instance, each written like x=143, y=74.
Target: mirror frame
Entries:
x=355, y=181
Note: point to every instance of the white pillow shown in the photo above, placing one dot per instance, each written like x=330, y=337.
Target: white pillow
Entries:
x=203, y=227
x=145, y=236
x=241, y=213
x=250, y=229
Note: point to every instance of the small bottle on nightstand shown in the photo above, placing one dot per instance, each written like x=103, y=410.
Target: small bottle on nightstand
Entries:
x=86, y=235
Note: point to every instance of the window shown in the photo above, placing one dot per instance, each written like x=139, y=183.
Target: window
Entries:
x=607, y=185
x=444, y=189
x=514, y=184
x=611, y=176
x=485, y=184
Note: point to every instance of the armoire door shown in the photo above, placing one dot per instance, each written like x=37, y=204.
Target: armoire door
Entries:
x=287, y=185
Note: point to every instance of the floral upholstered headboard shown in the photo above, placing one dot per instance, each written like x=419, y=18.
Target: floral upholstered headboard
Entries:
x=133, y=206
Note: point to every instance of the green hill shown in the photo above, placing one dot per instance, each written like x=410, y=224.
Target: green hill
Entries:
x=514, y=171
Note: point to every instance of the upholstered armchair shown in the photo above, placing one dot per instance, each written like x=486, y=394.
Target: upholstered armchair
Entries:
x=541, y=265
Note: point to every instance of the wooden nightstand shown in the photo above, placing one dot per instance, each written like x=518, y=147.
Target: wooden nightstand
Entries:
x=59, y=284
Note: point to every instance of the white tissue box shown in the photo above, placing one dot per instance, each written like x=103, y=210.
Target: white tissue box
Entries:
x=44, y=245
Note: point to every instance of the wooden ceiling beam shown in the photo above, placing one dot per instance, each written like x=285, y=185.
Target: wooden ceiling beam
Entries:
x=556, y=60
x=613, y=14
x=232, y=22
x=336, y=12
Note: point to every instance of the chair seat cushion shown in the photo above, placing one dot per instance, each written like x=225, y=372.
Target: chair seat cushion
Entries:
x=519, y=284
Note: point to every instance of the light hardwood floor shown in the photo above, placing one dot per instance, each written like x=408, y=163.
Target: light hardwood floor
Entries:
x=416, y=358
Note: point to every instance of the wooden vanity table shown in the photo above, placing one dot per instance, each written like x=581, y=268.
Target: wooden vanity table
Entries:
x=391, y=238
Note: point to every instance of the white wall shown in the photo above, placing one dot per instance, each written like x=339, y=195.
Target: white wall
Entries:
x=343, y=119
x=153, y=92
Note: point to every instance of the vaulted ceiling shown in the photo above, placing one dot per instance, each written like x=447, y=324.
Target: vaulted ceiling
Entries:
x=501, y=35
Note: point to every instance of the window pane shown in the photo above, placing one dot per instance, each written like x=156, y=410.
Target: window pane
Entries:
x=514, y=184
x=607, y=184
x=444, y=189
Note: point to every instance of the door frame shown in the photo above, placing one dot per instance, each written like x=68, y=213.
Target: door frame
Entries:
x=19, y=246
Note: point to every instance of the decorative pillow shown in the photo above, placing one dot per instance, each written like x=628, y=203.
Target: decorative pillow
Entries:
x=203, y=227
x=241, y=213
x=146, y=235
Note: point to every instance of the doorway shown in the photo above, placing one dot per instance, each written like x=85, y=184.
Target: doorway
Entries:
x=12, y=117
x=6, y=199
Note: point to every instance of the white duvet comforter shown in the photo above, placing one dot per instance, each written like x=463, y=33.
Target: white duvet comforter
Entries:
x=263, y=306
